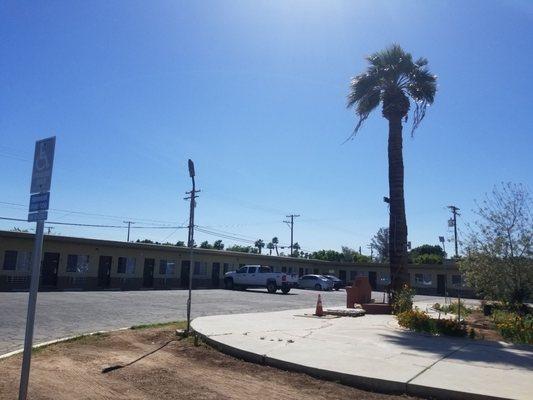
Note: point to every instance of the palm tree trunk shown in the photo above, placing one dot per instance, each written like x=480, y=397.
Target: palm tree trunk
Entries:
x=277, y=252
x=397, y=220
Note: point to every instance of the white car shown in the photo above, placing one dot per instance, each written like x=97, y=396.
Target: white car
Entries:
x=316, y=282
x=259, y=276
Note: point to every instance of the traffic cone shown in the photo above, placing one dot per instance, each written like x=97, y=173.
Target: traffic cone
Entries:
x=319, y=310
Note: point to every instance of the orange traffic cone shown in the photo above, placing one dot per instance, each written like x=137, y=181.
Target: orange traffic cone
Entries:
x=319, y=310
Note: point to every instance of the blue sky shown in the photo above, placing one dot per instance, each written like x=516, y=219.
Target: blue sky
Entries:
x=254, y=92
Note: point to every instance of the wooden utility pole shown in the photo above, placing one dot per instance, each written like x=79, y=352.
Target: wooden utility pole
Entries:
x=454, y=223
x=291, y=225
x=190, y=241
x=129, y=226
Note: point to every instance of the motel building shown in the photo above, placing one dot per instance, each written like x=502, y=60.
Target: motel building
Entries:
x=70, y=263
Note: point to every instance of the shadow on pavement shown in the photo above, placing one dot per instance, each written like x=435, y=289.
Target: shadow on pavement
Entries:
x=465, y=350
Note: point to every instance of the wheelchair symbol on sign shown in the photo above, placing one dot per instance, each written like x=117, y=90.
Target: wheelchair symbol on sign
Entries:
x=43, y=163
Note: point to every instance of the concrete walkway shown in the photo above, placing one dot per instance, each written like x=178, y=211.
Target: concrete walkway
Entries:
x=374, y=352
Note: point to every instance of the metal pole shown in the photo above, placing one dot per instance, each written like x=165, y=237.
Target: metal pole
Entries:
x=30, y=319
x=455, y=231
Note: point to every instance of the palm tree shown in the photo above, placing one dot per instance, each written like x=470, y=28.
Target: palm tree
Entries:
x=295, y=249
x=259, y=244
x=270, y=247
x=393, y=80
x=275, y=242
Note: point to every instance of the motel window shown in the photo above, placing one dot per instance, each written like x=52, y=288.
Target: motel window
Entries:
x=457, y=280
x=77, y=263
x=315, y=271
x=200, y=268
x=167, y=267
x=423, y=279
x=283, y=269
x=126, y=265
x=10, y=259
x=384, y=278
x=225, y=268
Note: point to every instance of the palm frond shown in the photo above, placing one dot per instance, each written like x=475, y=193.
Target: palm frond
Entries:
x=391, y=71
x=364, y=107
x=360, y=86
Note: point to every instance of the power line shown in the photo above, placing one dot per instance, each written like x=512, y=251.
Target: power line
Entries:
x=95, y=225
x=117, y=217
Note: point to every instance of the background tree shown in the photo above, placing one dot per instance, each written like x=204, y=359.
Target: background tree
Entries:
x=241, y=249
x=393, y=79
x=275, y=242
x=218, y=245
x=180, y=243
x=427, y=254
x=327, y=255
x=16, y=229
x=380, y=242
x=259, y=244
x=296, y=249
x=499, y=260
x=270, y=247
x=205, y=245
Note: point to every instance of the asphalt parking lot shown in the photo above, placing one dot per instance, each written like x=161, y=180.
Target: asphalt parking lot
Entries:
x=61, y=314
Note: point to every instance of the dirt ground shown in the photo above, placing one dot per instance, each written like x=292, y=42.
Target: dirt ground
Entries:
x=178, y=370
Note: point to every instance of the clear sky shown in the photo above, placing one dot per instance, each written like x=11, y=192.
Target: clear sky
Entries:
x=254, y=92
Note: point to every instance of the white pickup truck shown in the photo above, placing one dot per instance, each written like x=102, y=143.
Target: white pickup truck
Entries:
x=259, y=276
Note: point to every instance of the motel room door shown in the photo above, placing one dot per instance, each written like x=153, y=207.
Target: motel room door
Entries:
x=215, y=275
x=104, y=271
x=373, y=279
x=49, y=270
x=148, y=272
x=441, y=284
x=342, y=276
x=184, y=276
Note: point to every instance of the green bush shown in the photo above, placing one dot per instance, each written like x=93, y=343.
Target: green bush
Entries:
x=419, y=321
x=515, y=327
x=453, y=308
x=403, y=300
x=415, y=320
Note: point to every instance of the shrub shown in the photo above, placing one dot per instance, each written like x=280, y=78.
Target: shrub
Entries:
x=415, y=320
x=403, y=300
x=453, y=308
x=513, y=326
x=419, y=321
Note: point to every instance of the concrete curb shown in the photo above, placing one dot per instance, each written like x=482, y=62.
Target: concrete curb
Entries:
x=360, y=382
x=61, y=340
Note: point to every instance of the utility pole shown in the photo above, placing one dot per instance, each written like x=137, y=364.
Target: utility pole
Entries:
x=291, y=225
x=371, y=252
x=190, y=242
x=129, y=226
x=454, y=223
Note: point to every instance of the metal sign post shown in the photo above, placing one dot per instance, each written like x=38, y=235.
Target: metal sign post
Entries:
x=40, y=184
